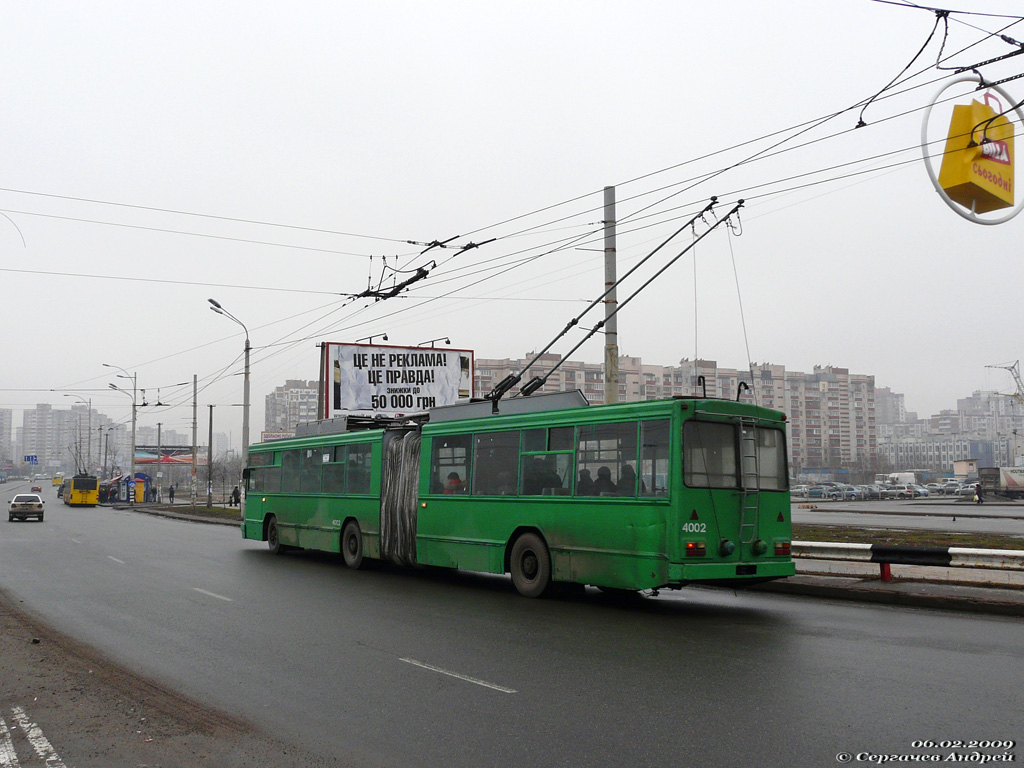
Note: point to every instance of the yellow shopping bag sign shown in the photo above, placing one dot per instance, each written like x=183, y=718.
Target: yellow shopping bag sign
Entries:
x=977, y=166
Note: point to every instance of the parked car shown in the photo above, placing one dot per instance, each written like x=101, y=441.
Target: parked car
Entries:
x=935, y=489
x=920, y=492
x=844, y=493
x=26, y=505
x=818, y=492
x=871, y=491
x=950, y=489
x=901, y=492
x=799, y=491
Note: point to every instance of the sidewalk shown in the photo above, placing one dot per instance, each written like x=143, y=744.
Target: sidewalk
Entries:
x=866, y=587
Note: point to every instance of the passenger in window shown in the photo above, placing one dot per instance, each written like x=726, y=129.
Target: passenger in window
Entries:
x=627, y=481
x=604, y=485
x=549, y=476
x=454, y=484
x=585, y=485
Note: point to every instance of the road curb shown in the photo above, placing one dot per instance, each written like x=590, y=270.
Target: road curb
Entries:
x=917, y=595
x=178, y=515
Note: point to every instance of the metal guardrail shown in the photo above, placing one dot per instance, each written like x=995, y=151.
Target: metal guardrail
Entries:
x=894, y=554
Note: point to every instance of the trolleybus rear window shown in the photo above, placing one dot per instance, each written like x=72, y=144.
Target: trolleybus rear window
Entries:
x=711, y=455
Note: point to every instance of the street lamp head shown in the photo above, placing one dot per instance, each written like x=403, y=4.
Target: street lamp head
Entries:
x=216, y=304
x=385, y=337
x=218, y=310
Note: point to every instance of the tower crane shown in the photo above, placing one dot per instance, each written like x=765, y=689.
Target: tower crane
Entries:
x=1015, y=372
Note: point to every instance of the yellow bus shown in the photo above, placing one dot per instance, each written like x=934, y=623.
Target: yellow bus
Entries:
x=58, y=479
x=81, y=491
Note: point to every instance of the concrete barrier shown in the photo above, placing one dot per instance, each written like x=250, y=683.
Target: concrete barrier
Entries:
x=894, y=554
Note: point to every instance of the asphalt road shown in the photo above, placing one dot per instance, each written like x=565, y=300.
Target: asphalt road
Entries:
x=401, y=668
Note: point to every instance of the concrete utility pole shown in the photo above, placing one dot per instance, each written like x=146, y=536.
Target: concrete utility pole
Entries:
x=209, y=464
x=611, y=334
x=195, y=394
x=159, y=465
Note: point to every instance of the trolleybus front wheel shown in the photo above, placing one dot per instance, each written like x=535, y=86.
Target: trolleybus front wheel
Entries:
x=352, y=545
x=530, y=565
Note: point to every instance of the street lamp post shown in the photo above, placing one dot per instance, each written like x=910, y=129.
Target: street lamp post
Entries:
x=216, y=307
x=445, y=339
x=133, y=377
x=371, y=338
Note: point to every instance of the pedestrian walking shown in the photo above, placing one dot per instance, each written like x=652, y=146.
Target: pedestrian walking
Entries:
x=170, y=494
x=236, y=497
x=978, y=499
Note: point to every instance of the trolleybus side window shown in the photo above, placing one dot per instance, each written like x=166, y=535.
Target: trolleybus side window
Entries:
x=546, y=462
x=310, y=465
x=710, y=457
x=289, y=471
x=334, y=470
x=349, y=469
x=654, y=471
x=263, y=476
x=449, y=464
x=357, y=479
x=606, y=457
x=495, y=460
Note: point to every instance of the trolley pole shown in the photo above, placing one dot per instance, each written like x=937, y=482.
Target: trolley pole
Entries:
x=611, y=335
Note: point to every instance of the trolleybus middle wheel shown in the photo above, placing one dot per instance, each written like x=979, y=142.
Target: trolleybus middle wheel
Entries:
x=531, y=565
x=352, y=545
x=274, y=538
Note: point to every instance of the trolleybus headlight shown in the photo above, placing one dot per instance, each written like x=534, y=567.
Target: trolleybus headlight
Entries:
x=726, y=548
x=760, y=547
x=782, y=548
x=696, y=549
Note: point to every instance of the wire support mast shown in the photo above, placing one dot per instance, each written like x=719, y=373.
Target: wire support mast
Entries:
x=512, y=379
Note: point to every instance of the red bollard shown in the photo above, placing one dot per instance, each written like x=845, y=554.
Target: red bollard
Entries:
x=885, y=571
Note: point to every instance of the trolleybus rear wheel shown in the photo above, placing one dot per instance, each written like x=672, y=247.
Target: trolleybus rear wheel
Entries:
x=352, y=545
x=273, y=537
x=530, y=565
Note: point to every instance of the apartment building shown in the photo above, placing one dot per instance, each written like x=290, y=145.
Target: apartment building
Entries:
x=831, y=411
x=291, y=404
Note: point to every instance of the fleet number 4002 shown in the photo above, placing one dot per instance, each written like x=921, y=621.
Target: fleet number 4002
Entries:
x=695, y=528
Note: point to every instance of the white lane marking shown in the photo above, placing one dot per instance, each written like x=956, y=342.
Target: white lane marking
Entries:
x=468, y=679
x=115, y=559
x=213, y=594
x=8, y=757
x=76, y=541
x=39, y=743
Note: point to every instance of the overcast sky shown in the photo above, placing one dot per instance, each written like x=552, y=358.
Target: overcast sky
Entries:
x=261, y=153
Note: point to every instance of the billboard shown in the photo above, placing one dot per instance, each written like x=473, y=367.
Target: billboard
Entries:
x=267, y=436
x=166, y=454
x=374, y=380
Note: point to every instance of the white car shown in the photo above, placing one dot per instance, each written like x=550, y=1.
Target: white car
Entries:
x=26, y=505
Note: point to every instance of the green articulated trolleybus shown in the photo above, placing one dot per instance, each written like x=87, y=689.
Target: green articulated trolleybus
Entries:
x=630, y=496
